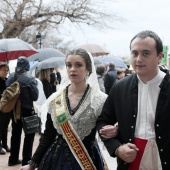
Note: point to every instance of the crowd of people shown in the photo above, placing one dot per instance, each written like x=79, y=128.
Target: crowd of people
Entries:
x=129, y=111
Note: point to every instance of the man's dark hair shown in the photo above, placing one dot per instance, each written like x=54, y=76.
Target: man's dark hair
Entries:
x=111, y=65
x=100, y=69
x=151, y=34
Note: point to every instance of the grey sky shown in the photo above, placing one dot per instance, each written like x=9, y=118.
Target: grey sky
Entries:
x=139, y=14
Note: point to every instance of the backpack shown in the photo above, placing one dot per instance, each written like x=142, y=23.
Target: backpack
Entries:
x=10, y=99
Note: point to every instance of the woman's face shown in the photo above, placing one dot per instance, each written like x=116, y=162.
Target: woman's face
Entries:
x=3, y=71
x=76, y=68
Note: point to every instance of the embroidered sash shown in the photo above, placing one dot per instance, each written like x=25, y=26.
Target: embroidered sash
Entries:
x=73, y=141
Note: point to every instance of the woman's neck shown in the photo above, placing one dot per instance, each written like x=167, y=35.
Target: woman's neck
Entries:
x=77, y=88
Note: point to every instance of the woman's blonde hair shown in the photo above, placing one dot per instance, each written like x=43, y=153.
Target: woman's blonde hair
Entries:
x=45, y=74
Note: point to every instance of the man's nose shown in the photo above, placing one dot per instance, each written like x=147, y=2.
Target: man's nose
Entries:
x=139, y=57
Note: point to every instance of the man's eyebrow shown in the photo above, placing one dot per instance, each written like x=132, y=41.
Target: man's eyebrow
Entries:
x=146, y=50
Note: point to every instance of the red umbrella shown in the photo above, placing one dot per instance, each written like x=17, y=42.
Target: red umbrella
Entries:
x=13, y=48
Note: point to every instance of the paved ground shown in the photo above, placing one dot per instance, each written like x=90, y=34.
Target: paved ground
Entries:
x=4, y=158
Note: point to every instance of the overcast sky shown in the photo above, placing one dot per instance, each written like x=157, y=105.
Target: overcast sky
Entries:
x=139, y=14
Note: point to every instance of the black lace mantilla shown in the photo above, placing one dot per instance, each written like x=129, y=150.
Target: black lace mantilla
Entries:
x=73, y=111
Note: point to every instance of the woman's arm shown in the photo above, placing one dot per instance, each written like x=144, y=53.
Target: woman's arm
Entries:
x=45, y=141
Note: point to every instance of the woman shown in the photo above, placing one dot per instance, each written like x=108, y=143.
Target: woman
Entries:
x=44, y=76
x=69, y=138
x=4, y=117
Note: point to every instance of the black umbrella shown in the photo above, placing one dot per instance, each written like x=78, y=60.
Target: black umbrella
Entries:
x=46, y=53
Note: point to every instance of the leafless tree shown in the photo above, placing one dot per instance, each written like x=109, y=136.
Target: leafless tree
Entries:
x=23, y=18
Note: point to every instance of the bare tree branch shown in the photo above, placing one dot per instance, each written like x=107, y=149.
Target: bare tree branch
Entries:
x=18, y=17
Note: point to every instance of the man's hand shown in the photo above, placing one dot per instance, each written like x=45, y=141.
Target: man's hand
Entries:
x=108, y=131
x=127, y=152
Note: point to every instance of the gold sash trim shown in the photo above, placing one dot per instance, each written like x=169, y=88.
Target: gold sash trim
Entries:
x=75, y=144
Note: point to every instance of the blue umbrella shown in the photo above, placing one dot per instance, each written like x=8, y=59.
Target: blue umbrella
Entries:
x=117, y=61
x=97, y=61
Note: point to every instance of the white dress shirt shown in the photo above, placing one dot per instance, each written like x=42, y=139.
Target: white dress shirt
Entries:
x=147, y=102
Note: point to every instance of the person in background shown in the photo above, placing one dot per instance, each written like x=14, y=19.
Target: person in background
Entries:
x=29, y=93
x=58, y=75
x=100, y=70
x=44, y=76
x=53, y=81
x=164, y=68
x=4, y=117
x=120, y=74
x=140, y=104
x=110, y=78
x=74, y=107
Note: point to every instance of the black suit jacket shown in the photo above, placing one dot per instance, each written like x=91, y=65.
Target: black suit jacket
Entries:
x=121, y=106
x=109, y=80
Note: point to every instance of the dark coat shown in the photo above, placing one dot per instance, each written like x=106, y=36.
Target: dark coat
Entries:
x=28, y=87
x=47, y=87
x=122, y=105
x=2, y=85
x=109, y=79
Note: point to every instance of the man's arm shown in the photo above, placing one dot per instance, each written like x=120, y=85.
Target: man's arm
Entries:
x=108, y=117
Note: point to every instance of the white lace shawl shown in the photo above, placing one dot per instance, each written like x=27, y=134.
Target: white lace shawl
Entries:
x=91, y=107
x=84, y=120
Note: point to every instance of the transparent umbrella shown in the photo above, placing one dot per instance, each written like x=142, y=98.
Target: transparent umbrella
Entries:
x=46, y=53
x=52, y=62
x=119, y=63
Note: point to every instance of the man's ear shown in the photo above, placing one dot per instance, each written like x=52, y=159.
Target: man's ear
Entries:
x=160, y=56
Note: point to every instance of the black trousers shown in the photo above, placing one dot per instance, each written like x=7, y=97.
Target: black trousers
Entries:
x=16, y=140
x=4, y=122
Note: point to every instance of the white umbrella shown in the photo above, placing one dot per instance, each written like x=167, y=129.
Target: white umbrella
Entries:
x=50, y=63
x=94, y=49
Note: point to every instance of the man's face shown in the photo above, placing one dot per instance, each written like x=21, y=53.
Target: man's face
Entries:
x=144, y=58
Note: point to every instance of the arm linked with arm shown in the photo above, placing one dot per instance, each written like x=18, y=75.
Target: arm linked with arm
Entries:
x=108, y=117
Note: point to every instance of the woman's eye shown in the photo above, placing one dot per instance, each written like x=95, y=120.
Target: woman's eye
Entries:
x=78, y=65
x=68, y=65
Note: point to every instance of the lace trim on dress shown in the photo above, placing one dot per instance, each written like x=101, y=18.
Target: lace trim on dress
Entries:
x=84, y=120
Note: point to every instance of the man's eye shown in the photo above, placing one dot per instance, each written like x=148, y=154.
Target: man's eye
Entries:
x=134, y=54
x=146, y=54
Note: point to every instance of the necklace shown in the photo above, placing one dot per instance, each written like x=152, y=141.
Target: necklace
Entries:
x=80, y=99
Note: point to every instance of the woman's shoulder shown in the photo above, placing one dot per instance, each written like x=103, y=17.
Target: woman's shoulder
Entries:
x=100, y=97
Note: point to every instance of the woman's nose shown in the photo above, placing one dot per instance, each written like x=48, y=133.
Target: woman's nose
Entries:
x=72, y=68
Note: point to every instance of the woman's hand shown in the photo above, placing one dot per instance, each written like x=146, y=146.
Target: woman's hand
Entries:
x=27, y=167
x=108, y=131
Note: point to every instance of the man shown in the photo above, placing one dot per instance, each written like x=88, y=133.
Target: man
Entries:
x=4, y=117
x=140, y=103
x=110, y=78
x=29, y=93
